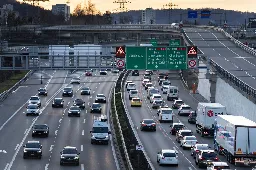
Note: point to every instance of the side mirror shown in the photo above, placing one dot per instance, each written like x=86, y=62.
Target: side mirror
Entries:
x=109, y=132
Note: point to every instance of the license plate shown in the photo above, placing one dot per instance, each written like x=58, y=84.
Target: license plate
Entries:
x=169, y=159
x=32, y=154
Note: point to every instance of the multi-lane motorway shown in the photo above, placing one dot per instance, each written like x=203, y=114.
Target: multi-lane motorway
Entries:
x=153, y=142
x=224, y=52
x=15, y=129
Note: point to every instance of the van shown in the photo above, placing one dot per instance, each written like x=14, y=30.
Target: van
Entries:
x=173, y=93
x=165, y=114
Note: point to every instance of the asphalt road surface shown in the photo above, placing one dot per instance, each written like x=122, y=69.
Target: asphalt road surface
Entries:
x=15, y=128
x=224, y=52
x=153, y=142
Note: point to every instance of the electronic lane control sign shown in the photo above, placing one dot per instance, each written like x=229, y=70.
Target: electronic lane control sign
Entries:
x=192, y=51
x=120, y=52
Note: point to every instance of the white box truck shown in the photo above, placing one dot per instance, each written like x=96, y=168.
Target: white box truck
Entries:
x=234, y=137
x=206, y=115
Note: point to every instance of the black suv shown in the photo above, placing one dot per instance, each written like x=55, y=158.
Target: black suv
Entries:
x=205, y=157
x=32, y=149
x=96, y=108
x=67, y=91
x=57, y=102
x=80, y=103
x=69, y=155
x=135, y=73
x=42, y=91
x=40, y=130
x=192, y=117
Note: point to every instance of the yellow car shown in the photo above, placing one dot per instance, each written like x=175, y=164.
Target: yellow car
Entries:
x=136, y=102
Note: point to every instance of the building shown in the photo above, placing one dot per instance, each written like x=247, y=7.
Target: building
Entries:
x=61, y=9
x=148, y=16
x=5, y=11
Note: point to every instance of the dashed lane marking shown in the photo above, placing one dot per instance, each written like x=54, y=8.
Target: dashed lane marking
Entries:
x=83, y=132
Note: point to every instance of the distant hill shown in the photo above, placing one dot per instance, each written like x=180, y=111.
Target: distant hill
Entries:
x=217, y=16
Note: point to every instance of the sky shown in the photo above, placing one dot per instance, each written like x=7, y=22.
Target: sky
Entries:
x=104, y=5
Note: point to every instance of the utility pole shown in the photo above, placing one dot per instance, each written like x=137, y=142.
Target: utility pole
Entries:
x=170, y=7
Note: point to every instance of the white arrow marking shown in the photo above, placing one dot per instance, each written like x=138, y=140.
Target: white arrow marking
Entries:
x=16, y=147
x=56, y=131
x=86, y=111
x=82, y=148
x=51, y=148
x=60, y=120
x=83, y=132
x=90, y=96
x=46, y=167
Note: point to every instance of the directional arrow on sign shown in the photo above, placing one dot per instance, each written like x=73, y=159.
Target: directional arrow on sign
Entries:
x=135, y=66
x=176, y=66
x=156, y=66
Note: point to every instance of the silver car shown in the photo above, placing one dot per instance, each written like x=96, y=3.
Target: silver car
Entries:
x=157, y=103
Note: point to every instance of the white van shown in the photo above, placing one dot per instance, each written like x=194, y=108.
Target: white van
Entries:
x=173, y=93
x=165, y=114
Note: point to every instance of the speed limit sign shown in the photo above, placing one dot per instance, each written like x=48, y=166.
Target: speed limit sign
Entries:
x=192, y=63
x=120, y=63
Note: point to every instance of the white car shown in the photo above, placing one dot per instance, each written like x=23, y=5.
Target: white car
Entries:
x=133, y=94
x=145, y=81
x=100, y=98
x=184, y=110
x=131, y=86
x=165, y=89
x=167, y=156
x=165, y=83
x=219, y=165
x=155, y=97
x=75, y=81
x=188, y=142
x=35, y=100
x=32, y=109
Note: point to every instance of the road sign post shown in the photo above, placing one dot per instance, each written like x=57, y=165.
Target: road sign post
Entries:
x=136, y=58
x=174, y=42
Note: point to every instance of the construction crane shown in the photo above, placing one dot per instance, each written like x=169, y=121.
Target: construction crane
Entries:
x=68, y=2
x=122, y=4
x=170, y=7
x=35, y=1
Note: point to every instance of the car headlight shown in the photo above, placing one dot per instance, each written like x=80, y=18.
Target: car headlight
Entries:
x=34, y=132
x=39, y=151
x=69, y=112
x=62, y=157
x=83, y=104
x=93, y=137
x=25, y=150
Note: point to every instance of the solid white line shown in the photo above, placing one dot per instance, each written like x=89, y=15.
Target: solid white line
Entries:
x=46, y=167
x=16, y=147
x=6, y=167
x=83, y=132
x=82, y=148
x=82, y=166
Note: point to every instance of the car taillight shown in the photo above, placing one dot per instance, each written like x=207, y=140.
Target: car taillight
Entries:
x=216, y=159
x=197, y=151
x=162, y=157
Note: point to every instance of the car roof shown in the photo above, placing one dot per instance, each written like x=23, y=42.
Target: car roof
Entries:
x=68, y=87
x=100, y=94
x=95, y=103
x=156, y=94
x=168, y=151
x=178, y=124
x=69, y=147
x=220, y=164
x=35, y=96
x=32, y=105
x=135, y=98
x=74, y=106
x=208, y=151
x=185, y=130
x=184, y=105
x=165, y=108
x=148, y=119
x=201, y=145
x=129, y=81
x=178, y=100
x=190, y=136
x=58, y=98
x=133, y=90
x=33, y=141
x=146, y=80
x=40, y=124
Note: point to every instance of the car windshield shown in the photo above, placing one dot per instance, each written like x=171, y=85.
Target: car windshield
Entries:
x=169, y=154
x=96, y=105
x=32, y=107
x=186, y=108
x=190, y=138
x=100, y=95
x=86, y=88
x=166, y=111
x=34, y=98
x=74, y=108
x=161, y=76
x=67, y=89
x=158, y=101
x=178, y=126
x=57, y=100
x=202, y=147
x=166, y=83
x=149, y=121
x=165, y=87
x=136, y=100
x=221, y=167
x=33, y=145
x=149, y=85
x=134, y=92
x=154, y=91
x=209, y=155
x=130, y=84
x=40, y=127
x=186, y=133
x=179, y=102
x=100, y=129
x=157, y=97
x=175, y=91
x=79, y=101
x=69, y=151
x=42, y=90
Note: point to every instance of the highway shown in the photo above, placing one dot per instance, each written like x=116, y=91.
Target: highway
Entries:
x=15, y=128
x=161, y=139
x=224, y=52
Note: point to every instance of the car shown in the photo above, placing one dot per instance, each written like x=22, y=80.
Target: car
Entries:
x=175, y=127
x=131, y=86
x=167, y=156
x=205, y=158
x=57, y=102
x=88, y=73
x=160, y=81
x=67, y=91
x=115, y=71
x=75, y=80
x=32, y=149
x=69, y=155
x=181, y=133
x=155, y=97
x=188, y=142
x=40, y=130
x=85, y=91
x=89, y=70
x=148, y=124
x=133, y=94
x=165, y=114
x=42, y=91
x=197, y=148
x=184, y=110
x=147, y=85
x=150, y=72
x=145, y=81
x=127, y=82
x=161, y=76
x=96, y=108
x=177, y=103
x=165, y=89
x=157, y=103
x=172, y=93
x=100, y=131
x=219, y=166
x=152, y=91
x=192, y=117
x=35, y=100
x=135, y=73
x=136, y=102
x=100, y=98
x=74, y=111
x=33, y=109
x=165, y=83
x=102, y=72
x=147, y=73
x=147, y=77
x=80, y=103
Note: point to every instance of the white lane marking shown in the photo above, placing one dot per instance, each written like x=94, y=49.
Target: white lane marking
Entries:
x=25, y=131
x=84, y=121
x=96, y=87
x=82, y=166
x=85, y=112
x=174, y=148
x=82, y=148
x=56, y=132
x=83, y=132
x=90, y=97
x=93, y=91
x=60, y=120
x=51, y=148
x=16, y=147
x=6, y=167
x=18, y=88
x=46, y=167
x=190, y=168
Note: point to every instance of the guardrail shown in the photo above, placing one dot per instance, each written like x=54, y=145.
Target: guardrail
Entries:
x=6, y=93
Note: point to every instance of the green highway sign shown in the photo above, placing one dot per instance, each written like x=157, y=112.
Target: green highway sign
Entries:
x=153, y=42
x=136, y=58
x=156, y=58
x=174, y=43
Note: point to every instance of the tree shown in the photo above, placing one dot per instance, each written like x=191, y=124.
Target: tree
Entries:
x=78, y=11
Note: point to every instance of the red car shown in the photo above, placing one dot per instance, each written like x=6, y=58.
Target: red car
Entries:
x=88, y=73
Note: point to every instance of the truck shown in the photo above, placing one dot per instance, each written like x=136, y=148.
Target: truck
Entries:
x=234, y=137
x=206, y=115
